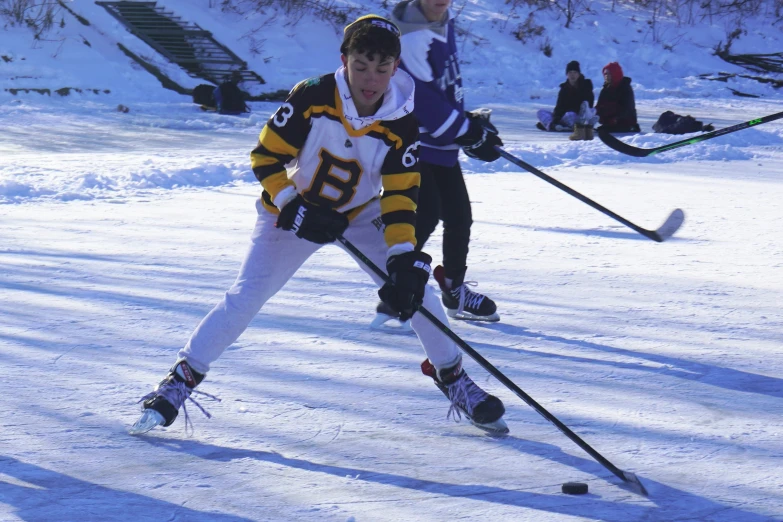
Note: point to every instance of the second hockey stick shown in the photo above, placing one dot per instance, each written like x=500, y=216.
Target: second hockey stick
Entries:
x=665, y=231
x=638, y=152
x=626, y=476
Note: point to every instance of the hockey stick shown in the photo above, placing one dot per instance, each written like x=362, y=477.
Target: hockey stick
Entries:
x=665, y=231
x=638, y=152
x=627, y=477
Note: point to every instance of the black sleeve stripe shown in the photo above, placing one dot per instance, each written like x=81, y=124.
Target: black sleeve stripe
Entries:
x=263, y=151
x=411, y=193
x=262, y=173
x=267, y=199
x=399, y=216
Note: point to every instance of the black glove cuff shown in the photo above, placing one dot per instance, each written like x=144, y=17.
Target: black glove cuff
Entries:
x=474, y=136
x=411, y=261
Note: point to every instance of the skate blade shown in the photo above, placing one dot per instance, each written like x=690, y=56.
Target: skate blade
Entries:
x=148, y=420
x=389, y=324
x=499, y=427
x=467, y=316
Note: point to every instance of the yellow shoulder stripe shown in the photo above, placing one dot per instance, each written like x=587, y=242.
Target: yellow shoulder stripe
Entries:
x=274, y=143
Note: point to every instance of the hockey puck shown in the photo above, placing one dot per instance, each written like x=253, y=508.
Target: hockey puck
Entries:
x=574, y=488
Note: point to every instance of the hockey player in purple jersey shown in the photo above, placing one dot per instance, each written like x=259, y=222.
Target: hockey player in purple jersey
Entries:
x=323, y=159
x=429, y=55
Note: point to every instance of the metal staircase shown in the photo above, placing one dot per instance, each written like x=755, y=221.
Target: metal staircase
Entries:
x=181, y=42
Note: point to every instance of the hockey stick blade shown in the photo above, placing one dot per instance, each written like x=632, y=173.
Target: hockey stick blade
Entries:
x=637, y=152
x=634, y=483
x=620, y=146
x=670, y=226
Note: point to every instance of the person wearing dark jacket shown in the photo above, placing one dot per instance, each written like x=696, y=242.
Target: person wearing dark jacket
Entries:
x=573, y=107
x=229, y=98
x=616, y=105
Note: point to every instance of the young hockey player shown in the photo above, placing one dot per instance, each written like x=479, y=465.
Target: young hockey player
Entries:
x=322, y=160
x=429, y=54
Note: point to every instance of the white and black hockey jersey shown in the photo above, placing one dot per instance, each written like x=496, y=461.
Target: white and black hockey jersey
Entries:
x=317, y=145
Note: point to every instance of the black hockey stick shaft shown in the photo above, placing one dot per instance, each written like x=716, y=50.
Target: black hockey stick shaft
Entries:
x=638, y=152
x=655, y=235
x=624, y=475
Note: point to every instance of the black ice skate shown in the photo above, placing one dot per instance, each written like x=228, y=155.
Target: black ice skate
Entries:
x=463, y=303
x=161, y=406
x=483, y=410
x=388, y=320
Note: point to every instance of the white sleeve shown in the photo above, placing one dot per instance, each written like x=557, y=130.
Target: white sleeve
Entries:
x=415, y=48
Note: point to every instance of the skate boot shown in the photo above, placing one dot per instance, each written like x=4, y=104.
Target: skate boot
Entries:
x=388, y=320
x=463, y=303
x=161, y=406
x=483, y=410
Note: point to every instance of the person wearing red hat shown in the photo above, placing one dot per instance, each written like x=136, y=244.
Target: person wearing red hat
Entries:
x=616, y=105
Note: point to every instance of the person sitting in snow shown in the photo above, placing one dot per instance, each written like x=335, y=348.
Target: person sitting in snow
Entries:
x=574, y=107
x=616, y=105
x=229, y=98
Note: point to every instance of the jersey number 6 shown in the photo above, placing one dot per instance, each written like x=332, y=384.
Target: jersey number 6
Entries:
x=409, y=159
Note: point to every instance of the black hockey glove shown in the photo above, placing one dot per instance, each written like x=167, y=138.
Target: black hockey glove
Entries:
x=409, y=273
x=311, y=222
x=481, y=138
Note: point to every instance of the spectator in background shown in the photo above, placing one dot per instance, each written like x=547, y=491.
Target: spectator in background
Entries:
x=616, y=105
x=574, y=107
x=229, y=98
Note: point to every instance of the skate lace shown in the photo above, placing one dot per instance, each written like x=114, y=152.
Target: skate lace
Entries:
x=467, y=297
x=177, y=394
x=464, y=394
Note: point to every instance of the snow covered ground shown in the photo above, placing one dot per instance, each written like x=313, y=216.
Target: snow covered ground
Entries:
x=120, y=231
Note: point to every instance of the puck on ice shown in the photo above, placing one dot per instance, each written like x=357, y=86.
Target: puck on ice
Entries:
x=574, y=488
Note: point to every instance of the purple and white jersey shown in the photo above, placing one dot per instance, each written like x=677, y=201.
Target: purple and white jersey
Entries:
x=429, y=55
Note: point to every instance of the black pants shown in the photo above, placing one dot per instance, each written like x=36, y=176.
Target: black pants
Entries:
x=443, y=195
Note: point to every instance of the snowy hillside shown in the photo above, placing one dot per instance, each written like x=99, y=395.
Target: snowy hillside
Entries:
x=663, y=61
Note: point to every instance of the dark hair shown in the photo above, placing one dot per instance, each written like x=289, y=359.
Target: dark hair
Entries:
x=371, y=35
